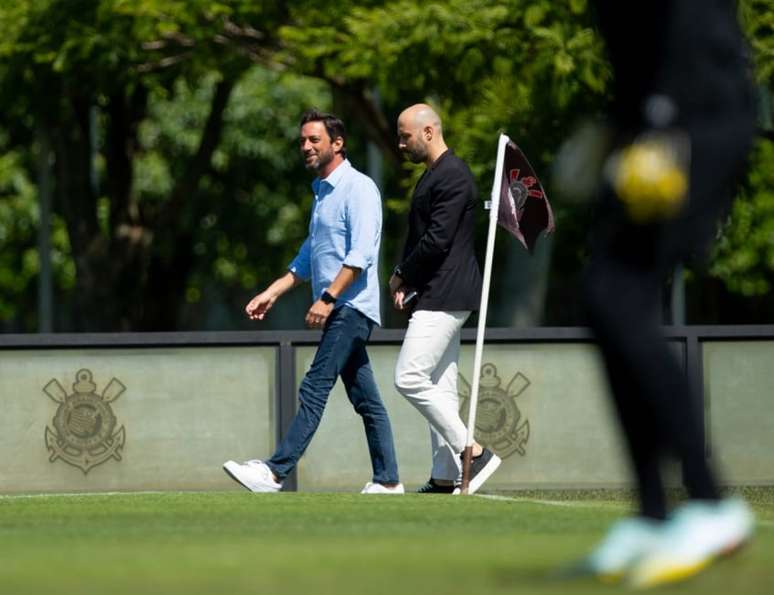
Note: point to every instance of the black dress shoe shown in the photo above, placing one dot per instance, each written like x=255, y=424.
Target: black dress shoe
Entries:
x=433, y=488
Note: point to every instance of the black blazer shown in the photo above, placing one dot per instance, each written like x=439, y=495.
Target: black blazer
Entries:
x=439, y=258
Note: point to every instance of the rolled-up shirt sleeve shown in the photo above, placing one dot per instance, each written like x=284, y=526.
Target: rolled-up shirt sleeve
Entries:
x=364, y=225
x=301, y=264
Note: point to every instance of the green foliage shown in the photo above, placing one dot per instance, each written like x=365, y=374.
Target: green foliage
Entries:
x=757, y=18
x=19, y=262
x=744, y=256
x=18, y=218
x=64, y=61
x=498, y=62
x=526, y=67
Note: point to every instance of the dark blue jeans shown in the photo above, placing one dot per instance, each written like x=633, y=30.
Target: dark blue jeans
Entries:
x=342, y=352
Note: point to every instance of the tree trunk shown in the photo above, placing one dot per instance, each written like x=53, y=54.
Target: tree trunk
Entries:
x=77, y=203
x=131, y=273
x=172, y=258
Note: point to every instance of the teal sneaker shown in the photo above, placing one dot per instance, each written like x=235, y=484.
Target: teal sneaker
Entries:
x=626, y=542
x=696, y=535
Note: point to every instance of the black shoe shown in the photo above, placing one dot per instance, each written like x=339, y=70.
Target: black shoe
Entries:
x=481, y=469
x=433, y=488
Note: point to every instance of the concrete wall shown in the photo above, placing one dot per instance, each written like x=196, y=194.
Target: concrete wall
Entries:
x=739, y=393
x=166, y=418
x=181, y=413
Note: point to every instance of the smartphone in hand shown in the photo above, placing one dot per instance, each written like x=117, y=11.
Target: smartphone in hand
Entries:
x=408, y=297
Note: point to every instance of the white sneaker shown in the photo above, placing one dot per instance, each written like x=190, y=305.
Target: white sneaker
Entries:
x=378, y=488
x=625, y=543
x=696, y=535
x=255, y=475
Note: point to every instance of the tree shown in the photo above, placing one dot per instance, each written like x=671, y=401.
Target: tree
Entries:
x=172, y=126
x=744, y=256
x=81, y=73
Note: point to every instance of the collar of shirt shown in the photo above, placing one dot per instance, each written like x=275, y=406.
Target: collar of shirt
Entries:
x=333, y=178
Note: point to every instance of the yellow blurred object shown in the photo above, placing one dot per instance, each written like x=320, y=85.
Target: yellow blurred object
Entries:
x=649, y=180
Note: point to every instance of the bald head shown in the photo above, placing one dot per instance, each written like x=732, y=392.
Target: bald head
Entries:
x=421, y=115
x=420, y=134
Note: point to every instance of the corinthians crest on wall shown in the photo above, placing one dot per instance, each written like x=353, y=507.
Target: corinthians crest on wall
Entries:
x=84, y=433
x=499, y=423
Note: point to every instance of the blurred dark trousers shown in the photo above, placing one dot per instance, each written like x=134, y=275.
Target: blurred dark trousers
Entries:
x=691, y=52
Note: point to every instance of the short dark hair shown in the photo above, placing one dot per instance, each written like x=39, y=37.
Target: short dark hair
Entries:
x=333, y=125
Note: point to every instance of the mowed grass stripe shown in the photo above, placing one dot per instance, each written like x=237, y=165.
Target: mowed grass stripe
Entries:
x=235, y=542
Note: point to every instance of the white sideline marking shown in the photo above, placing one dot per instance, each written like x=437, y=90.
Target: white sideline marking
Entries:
x=566, y=503
x=75, y=494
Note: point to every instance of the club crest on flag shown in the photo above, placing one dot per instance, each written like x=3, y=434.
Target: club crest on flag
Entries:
x=524, y=209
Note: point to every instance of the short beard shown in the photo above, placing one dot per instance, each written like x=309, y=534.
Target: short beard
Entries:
x=416, y=154
x=323, y=159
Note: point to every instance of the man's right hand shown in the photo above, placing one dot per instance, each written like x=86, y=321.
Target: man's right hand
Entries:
x=258, y=306
x=400, y=295
x=397, y=298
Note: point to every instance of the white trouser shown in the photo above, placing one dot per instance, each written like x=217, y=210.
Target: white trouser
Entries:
x=426, y=374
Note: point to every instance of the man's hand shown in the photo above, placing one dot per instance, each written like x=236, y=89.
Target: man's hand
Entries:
x=258, y=306
x=403, y=296
x=395, y=283
x=318, y=314
x=398, y=296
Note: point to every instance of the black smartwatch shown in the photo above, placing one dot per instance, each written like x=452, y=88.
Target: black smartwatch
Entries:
x=327, y=298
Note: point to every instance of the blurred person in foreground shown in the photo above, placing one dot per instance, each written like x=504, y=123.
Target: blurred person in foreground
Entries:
x=341, y=256
x=439, y=266
x=684, y=122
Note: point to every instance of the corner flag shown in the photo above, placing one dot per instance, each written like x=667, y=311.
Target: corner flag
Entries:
x=524, y=209
x=519, y=204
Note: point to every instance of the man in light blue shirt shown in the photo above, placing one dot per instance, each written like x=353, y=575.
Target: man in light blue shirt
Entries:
x=340, y=256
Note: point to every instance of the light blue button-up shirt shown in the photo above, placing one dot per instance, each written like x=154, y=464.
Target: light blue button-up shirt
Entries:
x=345, y=229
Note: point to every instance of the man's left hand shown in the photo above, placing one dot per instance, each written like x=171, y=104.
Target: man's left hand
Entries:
x=318, y=314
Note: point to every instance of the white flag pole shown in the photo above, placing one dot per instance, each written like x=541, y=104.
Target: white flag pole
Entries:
x=493, y=209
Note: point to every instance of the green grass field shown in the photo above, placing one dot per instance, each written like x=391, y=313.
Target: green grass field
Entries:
x=235, y=542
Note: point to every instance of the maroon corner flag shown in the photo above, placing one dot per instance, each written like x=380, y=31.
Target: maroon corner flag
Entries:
x=520, y=206
x=524, y=209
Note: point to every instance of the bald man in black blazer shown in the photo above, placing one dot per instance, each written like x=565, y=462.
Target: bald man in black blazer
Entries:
x=439, y=258
x=439, y=264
